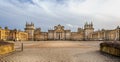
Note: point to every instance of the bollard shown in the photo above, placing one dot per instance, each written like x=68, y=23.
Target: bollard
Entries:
x=21, y=46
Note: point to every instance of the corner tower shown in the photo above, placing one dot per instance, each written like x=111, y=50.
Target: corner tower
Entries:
x=88, y=28
x=30, y=30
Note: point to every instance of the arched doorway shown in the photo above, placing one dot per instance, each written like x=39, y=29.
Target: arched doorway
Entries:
x=59, y=36
x=59, y=33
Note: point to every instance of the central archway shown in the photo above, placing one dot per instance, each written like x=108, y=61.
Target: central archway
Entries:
x=59, y=36
x=59, y=33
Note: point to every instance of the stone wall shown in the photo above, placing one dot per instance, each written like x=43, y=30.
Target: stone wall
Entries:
x=110, y=48
x=6, y=47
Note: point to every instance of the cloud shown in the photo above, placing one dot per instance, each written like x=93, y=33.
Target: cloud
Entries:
x=72, y=26
x=69, y=25
x=48, y=13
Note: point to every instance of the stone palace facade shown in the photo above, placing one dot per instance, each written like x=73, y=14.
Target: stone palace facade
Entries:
x=59, y=33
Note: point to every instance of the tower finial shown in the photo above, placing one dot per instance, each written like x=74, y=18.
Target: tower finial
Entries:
x=26, y=23
x=32, y=23
x=91, y=24
x=86, y=23
x=118, y=27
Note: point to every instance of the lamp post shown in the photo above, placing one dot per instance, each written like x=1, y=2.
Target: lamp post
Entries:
x=21, y=46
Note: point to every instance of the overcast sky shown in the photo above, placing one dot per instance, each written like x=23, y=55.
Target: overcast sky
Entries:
x=70, y=13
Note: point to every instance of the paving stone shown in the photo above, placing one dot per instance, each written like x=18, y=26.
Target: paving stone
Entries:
x=38, y=52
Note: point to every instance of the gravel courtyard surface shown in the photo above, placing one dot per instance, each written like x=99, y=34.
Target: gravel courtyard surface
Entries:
x=58, y=51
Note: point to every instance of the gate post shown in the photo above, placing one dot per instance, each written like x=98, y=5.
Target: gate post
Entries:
x=21, y=46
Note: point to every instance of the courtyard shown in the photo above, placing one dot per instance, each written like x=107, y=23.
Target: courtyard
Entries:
x=58, y=51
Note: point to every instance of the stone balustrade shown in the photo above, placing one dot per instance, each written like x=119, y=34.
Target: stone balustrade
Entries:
x=6, y=47
x=112, y=48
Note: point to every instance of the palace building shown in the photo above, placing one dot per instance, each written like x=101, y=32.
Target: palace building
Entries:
x=59, y=33
x=13, y=35
x=107, y=35
x=18, y=35
x=30, y=30
x=4, y=33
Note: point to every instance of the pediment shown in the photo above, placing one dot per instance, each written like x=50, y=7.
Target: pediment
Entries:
x=59, y=28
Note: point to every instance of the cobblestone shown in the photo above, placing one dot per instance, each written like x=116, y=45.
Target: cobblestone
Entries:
x=59, y=51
